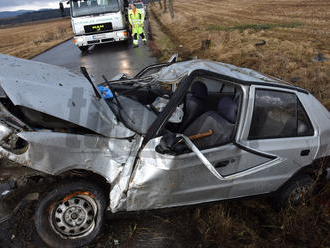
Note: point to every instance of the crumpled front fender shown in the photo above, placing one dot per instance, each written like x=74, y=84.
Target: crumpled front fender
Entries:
x=55, y=153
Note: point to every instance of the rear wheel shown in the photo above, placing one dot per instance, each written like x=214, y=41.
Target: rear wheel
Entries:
x=294, y=193
x=71, y=215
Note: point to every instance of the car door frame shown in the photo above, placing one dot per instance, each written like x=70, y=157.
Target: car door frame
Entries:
x=280, y=176
x=244, y=135
x=242, y=140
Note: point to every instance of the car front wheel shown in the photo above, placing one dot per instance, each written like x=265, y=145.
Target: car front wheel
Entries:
x=71, y=215
x=294, y=193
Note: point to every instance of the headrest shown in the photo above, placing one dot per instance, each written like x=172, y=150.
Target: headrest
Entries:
x=199, y=90
x=227, y=108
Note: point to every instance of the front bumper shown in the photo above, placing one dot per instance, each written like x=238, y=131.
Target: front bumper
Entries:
x=88, y=40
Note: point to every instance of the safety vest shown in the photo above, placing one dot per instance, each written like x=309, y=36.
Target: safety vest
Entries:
x=136, y=18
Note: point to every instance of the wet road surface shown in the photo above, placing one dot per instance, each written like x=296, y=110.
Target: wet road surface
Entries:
x=107, y=59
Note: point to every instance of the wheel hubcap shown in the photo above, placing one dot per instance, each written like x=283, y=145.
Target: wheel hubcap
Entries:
x=75, y=217
x=299, y=194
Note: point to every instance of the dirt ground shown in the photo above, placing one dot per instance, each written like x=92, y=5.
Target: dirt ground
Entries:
x=31, y=39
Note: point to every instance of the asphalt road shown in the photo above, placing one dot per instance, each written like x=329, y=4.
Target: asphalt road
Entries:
x=107, y=59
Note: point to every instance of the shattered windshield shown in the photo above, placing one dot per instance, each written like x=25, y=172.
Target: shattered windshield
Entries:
x=135, y=115
x=138, y=102
x=92, y=7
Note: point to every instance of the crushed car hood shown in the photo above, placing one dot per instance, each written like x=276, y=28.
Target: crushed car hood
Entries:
x=57, y=92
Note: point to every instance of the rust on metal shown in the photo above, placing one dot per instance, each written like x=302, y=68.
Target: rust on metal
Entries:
x=78, y=193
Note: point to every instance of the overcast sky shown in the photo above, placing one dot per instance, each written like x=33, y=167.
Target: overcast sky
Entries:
x=10, y=5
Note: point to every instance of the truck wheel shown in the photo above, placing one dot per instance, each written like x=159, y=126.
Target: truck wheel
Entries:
x=84, y=48
x=294, y=193
x=71, y=215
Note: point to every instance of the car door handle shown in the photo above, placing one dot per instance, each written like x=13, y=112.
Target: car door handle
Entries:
x=222, y=164
x=305, y=152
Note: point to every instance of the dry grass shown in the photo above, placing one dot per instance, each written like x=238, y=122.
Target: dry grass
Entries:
x=254, y=224
x=231, y=224
x=295, y=32
x=29, y=40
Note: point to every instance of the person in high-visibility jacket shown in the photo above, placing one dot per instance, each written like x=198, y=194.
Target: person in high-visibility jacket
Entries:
x=136, y=19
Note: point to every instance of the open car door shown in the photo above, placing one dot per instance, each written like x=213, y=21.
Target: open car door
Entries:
x=243, y=170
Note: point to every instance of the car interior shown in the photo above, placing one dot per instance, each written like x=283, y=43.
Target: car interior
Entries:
x=208, y=113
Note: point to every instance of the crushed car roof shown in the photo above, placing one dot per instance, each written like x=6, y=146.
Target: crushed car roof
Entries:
x=179, y=70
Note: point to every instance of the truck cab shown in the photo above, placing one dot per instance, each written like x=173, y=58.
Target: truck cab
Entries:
x=98, y=21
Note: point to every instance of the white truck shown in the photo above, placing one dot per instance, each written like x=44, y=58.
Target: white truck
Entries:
x=98, y=21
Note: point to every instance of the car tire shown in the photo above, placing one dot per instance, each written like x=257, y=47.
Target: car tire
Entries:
x=293, y=193
x=126, y=42
x=71, y=214
x=83, y=48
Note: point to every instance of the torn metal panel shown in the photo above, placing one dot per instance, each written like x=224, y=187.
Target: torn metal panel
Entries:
x=111, y=158
x=21, y=159
x=71, y=96
x=162, y=180
x=118, y=194
x=103, y=156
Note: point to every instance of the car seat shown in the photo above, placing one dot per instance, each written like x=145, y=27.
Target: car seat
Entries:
x=221, y=122
x=194, y=104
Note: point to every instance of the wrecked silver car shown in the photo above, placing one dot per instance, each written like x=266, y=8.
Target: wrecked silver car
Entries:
x=176, y=134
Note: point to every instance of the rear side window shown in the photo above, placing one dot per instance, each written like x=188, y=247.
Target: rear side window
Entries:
x=305, y=127
x=278, y=114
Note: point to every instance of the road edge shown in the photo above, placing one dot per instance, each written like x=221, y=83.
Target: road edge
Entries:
x=50, y=47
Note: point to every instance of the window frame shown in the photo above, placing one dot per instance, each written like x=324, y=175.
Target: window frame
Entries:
x=252, y=108
x=184, y=86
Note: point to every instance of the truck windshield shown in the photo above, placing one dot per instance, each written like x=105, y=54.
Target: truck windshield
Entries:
x=139, y=5
x=92, y=7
